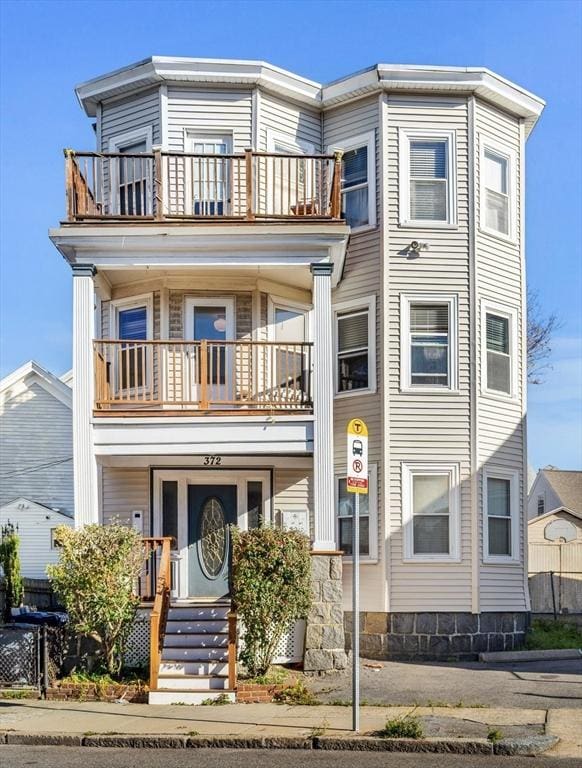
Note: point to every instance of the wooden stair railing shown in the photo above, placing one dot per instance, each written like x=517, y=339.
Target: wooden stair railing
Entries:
x=232, y=618
x=159, y=614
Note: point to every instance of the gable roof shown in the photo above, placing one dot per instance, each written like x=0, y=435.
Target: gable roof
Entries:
x=567, y=485
x=565, y=510
x=33, y=372
x=43, y=507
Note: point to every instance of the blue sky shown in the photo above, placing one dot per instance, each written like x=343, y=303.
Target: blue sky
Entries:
x=47, y=47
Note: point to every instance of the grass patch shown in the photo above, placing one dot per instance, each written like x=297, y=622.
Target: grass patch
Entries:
x=406, y=727
x=14, y=694
x=547, y=635
x=494, y=735
x=297, y=694
x=275, y=676
x=219, y=701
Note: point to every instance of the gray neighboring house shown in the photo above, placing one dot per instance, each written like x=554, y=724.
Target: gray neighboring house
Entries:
x=554, y=488
x=36, y=460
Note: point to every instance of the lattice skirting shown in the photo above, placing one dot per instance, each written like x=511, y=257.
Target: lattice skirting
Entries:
x=137, y=653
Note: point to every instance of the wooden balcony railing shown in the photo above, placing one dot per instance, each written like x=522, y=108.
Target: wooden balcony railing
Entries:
x=156, y=583
x=172, y=186
x=202, y=375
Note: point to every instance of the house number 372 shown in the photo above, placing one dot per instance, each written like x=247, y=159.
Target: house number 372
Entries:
x=212, y=461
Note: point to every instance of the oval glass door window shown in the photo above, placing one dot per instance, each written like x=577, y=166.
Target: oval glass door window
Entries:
x=213, y=541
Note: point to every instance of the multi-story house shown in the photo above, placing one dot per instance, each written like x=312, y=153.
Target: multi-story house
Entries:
x=257, y=258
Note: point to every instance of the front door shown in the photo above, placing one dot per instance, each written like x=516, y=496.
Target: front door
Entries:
x=211, y=509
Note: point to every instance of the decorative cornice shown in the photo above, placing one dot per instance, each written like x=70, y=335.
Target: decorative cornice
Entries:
x=321, y=269
x=83, y=270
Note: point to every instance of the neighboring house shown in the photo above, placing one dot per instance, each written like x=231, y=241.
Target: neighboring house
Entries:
x=36, y=529
x=554, y=488
x=555, y=561
x=257, y=258
x=36, y=466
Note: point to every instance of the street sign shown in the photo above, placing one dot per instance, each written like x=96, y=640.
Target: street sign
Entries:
x=357, y=469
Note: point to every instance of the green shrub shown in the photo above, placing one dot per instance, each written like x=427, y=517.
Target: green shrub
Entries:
x=95, y=578
x=297, y=694
x=494, y=735
x=407, y=727
x=10, y=562
x=546, y=635
x=271, y=584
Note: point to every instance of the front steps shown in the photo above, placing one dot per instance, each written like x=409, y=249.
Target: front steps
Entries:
x=194, y=665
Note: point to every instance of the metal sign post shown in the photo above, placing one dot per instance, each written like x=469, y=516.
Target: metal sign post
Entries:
x=357, y=483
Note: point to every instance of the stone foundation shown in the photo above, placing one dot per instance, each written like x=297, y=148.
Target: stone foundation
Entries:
x=324, y=634
x=436, y=636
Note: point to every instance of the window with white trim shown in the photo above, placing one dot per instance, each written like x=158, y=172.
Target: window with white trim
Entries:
x=131, y=176
x=358, y=180
x=345, y=504
x=427, y=178
x=428, y=342
x=355, y=346
x=499, y=364
x=498, y=168
x=430, y=511
x=500, y=515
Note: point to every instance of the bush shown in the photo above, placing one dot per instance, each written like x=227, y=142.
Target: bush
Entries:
x=271, y=584
x=547, y=635
x=406, y=727
x=95, y=578
x=10, y=562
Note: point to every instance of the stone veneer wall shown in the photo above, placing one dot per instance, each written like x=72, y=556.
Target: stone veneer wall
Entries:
x=324, y=634
x=433, y=636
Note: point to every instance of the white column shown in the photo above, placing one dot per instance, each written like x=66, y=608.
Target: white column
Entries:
x=323, y=471
x=84, y=466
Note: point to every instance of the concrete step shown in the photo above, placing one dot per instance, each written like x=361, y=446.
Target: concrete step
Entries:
x=192, y=682
x=194, y=654
x=198, y=613
x=200, y=667
x=194, y=627
x=186, y=697
x=206, y=640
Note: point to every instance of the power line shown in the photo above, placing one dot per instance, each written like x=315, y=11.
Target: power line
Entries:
x=35, y=468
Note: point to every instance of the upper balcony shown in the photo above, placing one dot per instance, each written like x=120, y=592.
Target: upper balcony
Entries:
x=170, y=187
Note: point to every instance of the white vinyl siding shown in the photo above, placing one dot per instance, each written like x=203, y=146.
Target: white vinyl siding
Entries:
x=127, y=115
x=124, y=491
x=427, y=178
x=500, y=515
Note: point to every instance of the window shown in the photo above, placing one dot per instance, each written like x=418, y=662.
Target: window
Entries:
x=368, y=517
x=131, y=321
x=358, y=182
x=427, y=178
x=499, y=362
x=428, y=342
x=170, y=510
x=255, y=504
x=500, y=515
x=355, y=347
x=430, y=511
x=55, y=543
x=541, y=505
x=497, y=189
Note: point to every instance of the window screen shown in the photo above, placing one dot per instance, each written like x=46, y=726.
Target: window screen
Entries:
x=499, y=516
x=429, y=340
x=498, y=355
x=428, y=180
x=352, y=362
x=430, y=514
x=496, y=193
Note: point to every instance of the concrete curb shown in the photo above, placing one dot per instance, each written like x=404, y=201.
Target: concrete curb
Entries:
x=501, y=656
x=531, y=746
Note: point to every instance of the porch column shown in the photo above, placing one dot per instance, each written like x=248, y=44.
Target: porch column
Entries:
x=323, y=473
x=84, y=466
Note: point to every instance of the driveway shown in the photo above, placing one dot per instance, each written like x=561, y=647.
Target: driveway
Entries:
x=535, y=685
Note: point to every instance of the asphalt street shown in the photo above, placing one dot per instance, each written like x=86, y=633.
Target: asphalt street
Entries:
x=72, y=757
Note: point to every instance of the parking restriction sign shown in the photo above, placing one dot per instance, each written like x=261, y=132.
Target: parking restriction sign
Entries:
x=357, y=469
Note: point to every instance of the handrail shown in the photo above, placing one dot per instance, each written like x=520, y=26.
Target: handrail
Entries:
x=158, y=616
x=172, y=186
x=232, y=621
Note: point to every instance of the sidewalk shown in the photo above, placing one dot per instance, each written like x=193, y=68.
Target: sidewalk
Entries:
x=263, y=721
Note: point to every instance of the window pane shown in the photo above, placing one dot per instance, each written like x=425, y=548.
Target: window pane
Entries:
x=499, y=536
x=355, y=167
x=429, y=360
x=353, y=372
x=495, y=172
x=498, y=497
x=497, y=211
x=497, y=333
x=428, y=159
x=255, y=503
x=499, y=372
x=170, y=510
x=352, y=331
x=133, y=323
x=428, y=200
x=346, y=533
x=430, y=494
x=431, y=535
x=210, y=323
x=429, y=318
x=355, y=207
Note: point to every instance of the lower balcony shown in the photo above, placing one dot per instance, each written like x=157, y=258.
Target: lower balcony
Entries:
x=218, y=377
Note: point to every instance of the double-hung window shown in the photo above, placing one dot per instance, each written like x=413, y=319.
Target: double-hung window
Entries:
x=499, y=363
x=345, y=503
x=500, y=515
x=430, y=509
x=358, y=185
x=498, y=168
x=355, y=346
x=428, y=342
x=427, y=178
